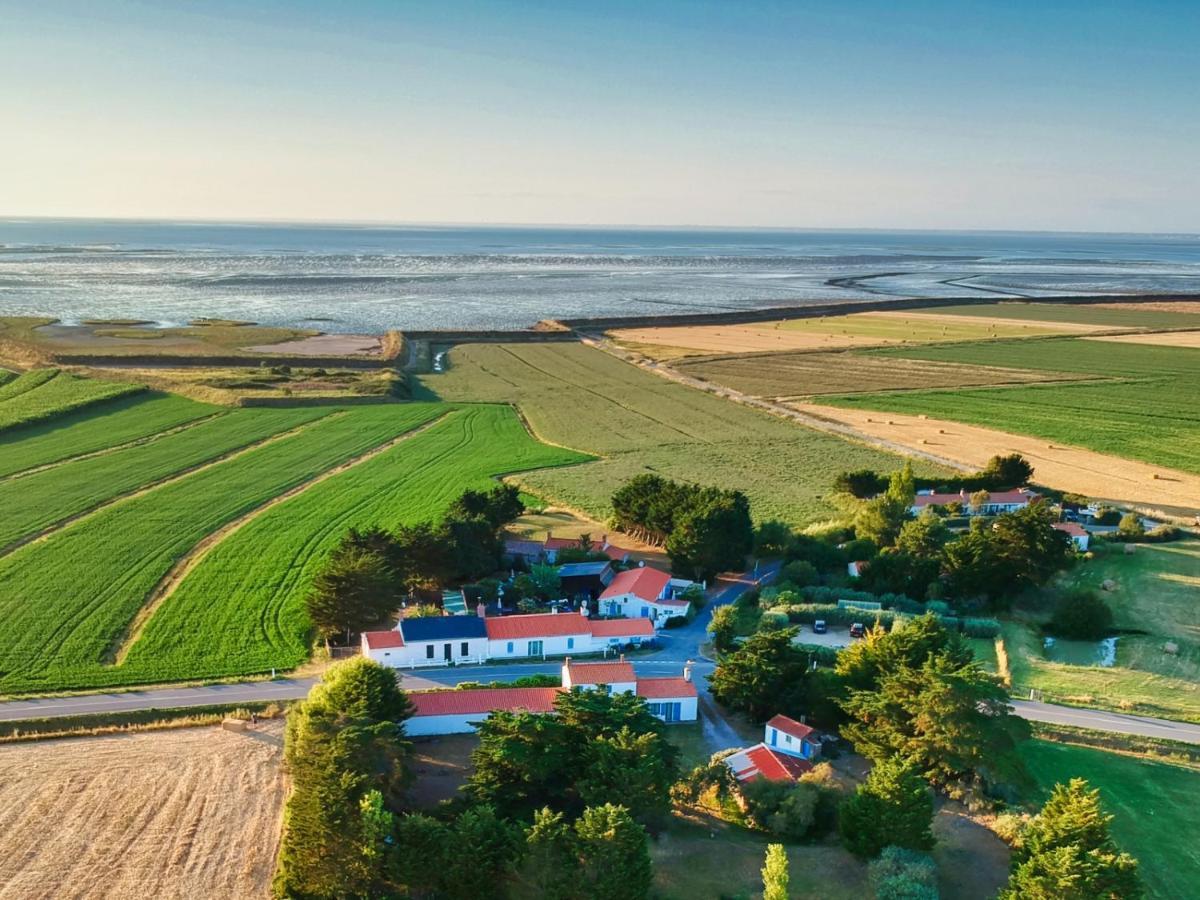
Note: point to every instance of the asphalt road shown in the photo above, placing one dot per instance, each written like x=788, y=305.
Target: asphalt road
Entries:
x=1098, y=720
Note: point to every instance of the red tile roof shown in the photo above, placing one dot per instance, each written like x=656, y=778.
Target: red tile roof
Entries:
x=483, y=700
x=763, y=762
x=1022, y=495
x=1071, y=528
x=553, y=543
x=600, y=672
x=606, y=628
x=646, y=583
x=662, y=688
x=620, y=554
x=536, y=625
x=790, y=726
x=382, y=640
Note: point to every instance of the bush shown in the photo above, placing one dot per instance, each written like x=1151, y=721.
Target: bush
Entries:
x=901, y=874
x=801, y=573
x=859, y=549
x=675, y=622
x=979, y=628
x=790, y=810
x=822, y=554
x=1159, y=535
x=1131, y=526
x=773, y=619
x=1081, y=615
x=1106, y=515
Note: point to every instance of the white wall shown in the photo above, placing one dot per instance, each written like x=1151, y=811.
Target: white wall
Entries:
x=551, y=646
x=419, y=726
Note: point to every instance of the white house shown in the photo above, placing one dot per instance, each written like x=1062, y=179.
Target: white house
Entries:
x=645, y=593
x=458, y=712
x=785, y=753
x=998, y=501
x=476, y=639
x=1079, y=536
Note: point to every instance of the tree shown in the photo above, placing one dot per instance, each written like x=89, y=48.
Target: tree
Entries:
x=862, y=664
x=772, y=538
x=353, y=590
x=775, y=873
x=545, y=581
x=636, y=763
x=902, y=486
x=1016, y=551
x=924, y=536
x=879, y=520
x=893, y=806
x=474, y=546
x=425, y=560
x=1082, y=615
x=487, y=848
x=899, y=573
x=901, y=874
x=862, y=483
x=552, y=857
x=723, y=628
x=713, y=535
x=1131, y=526
x=971, y=564
x=497, y=507
x=1006, y=472
x=980, y=499
x=787, y=809
x=1067, y=853
x=764, y=676
x=615, y=858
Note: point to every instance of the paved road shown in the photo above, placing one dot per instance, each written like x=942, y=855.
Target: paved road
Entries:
x=1099, y=720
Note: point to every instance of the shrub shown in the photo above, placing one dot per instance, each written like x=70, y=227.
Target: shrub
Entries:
x=675, y=622
x=859, y=549
x=1106, y=515
x=1081, y=615
x=1131, y=526
x=979, y=628
x=901, y=874
x=801, y=573
x=773, y=619
x=785, y=808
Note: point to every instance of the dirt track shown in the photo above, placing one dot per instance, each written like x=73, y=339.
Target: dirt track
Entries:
x=188, y=813
x=1062, y=467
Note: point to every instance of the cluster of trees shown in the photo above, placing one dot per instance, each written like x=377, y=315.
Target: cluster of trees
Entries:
x=1067, y=853
x=892, y=807
x=1000, y=473
x=371, y=572
x=535, y=819
x=1081, y=614
x=705, y=530
x=989, y=564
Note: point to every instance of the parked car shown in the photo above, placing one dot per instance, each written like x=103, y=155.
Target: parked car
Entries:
x=857, y=630
x=819, y=627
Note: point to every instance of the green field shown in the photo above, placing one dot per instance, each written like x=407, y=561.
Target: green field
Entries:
x=1146, y=410
x=44, y=393
x=67, y=600
x=1154, y=805
x=1132, y=315
x=134, y=417
x=801, y=374
x=36, y=501
x=579, y=397
x=241, y=609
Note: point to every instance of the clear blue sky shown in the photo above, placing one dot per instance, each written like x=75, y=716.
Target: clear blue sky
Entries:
x=1036, y=115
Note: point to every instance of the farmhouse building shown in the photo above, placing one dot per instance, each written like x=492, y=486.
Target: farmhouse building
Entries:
x=786, y=753
x=645, y=593
x=476, y=639
x=526, y=551
x=585, y=580
x=458, y=712
x=1078, y=534
x=998, y=502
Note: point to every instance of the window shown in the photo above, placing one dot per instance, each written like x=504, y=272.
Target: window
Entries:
x=534, y=648
x=510, y=647
x=787, y=738
x=464, y=649
x=429, y=651
x=656, y=709
x=570, y=643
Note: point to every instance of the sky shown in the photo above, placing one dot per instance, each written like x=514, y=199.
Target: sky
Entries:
x=980, y=114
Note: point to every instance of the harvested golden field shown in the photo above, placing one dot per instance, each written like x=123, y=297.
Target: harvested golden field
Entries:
x=805, y=374
x=1065, y=468
x=165, y=814
x=1157, y=338
x=867, y=329
x=1191, y=307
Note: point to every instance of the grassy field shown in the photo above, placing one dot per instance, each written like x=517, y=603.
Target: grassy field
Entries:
x=67, y=600
x=1147, y=411
x=792, y=375
x=41, y=499
x=578, y=397
x=1154, y=805
x=916, y=327
x=241, y=609
x=126, y=419
x=1131, y=315
x=42, y=394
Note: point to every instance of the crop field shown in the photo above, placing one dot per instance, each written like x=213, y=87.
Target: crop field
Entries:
x=575, y=396
x=792, y=375
x=134, y=417
x=37, y=501
x=1146, y=410
x=1153, y=804
x=1109, y=315
x=67, y=600
x=166, y=815
x=241, y=608
x=44, y=393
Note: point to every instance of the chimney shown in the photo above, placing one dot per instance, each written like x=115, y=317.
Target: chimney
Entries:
x=687, y=671
x=481, y=611
x=622, y=657
x=554, y=610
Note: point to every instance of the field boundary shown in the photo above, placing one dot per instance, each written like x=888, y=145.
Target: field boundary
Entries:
x=185, y=564
x=154, y=485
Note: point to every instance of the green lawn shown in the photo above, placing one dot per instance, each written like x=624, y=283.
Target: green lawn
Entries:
x=1154, y=805
x=1132, y=315
x=1146, y=411
x=579, y=397
x=985, y=652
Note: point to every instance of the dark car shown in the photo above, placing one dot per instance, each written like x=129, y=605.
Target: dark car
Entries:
x=819, y=627
x=857, y=630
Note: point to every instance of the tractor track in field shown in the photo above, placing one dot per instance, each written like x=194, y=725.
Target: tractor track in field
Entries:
x=185, y=564
x=179, y=475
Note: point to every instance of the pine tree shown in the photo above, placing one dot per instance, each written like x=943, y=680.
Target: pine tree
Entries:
x=892, y=807
x=552, y=861
x=616, y=860
x=775, y=873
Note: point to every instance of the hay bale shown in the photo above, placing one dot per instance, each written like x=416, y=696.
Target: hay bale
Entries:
x=922, y=416
x=238, y=725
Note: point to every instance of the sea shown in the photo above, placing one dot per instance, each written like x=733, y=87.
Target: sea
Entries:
x=367, y=278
